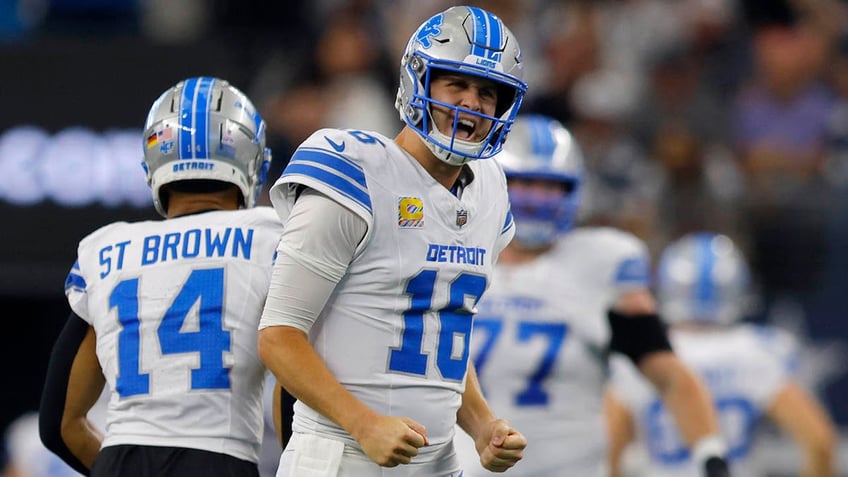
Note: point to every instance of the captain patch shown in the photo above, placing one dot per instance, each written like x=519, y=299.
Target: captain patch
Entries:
x=410, y=213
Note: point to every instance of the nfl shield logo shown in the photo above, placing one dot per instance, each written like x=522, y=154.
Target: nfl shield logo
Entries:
x=461, y=217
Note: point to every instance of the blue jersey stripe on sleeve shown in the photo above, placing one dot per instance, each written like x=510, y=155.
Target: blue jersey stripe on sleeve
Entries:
x=508, y=222
x=341, y=183
x=633, y=270
x=75, y=281
x=336, y=162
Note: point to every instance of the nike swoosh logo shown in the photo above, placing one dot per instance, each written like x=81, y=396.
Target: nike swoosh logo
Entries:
x=337, y=147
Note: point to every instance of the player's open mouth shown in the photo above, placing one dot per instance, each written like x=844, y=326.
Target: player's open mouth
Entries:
x=465, y=129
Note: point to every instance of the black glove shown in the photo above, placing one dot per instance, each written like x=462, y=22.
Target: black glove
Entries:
x=716, y=467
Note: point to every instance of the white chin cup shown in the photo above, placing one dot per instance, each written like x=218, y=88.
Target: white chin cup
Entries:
x=462, y=151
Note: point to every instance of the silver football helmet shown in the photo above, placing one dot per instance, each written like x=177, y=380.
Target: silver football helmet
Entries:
x=703, y=278
x=469, y=41
x=203, y=128
x=541, y=148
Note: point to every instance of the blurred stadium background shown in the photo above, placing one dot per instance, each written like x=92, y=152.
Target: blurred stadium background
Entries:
x=727, y=115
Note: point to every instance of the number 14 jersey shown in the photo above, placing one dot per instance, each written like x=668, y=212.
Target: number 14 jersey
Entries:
x=175, y=305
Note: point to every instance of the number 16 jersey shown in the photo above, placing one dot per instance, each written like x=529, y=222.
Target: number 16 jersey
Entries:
x=395, y=331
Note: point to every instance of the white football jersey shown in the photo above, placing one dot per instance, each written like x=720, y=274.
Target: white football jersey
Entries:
x=395, y=332
x=744, y=368
x=540, y=344
x=175, y=305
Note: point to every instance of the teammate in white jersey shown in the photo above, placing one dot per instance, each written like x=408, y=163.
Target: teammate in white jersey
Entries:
x=165, y=313
x=561, y=299
x=702, y=290
x=388, y=248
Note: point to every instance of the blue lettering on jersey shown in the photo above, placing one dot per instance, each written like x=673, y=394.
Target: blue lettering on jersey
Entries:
x=456, y=254
x=737, y=417
x=500, y=305
x=107, y=253
x=232, y=242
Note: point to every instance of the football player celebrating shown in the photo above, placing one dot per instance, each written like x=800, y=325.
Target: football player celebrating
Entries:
x=389, y=245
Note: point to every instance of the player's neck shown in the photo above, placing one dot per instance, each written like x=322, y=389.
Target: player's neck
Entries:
x=186, y=204
x=444, y=173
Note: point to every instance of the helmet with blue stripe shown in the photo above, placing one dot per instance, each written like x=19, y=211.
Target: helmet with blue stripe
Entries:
x=704, y=278
x=204, y=129
x=541, y=148
x=464, y=40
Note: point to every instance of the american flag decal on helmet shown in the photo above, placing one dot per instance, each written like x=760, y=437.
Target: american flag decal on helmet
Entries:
x=461, y=217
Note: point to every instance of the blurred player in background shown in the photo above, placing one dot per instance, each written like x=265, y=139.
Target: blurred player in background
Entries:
x=26, y=456
x=166, y=312
x=561, y=299
x=389, y=246
x=703, y=290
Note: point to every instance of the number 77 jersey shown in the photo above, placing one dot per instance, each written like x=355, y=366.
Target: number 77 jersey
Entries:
x=540, y=346
x=396, y=330
x=175, y=306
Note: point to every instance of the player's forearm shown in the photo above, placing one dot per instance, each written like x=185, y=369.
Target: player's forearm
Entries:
x=277, y=412
x=818, y=461
x=82, y=438
x=818, y=468
x=74, y=382
x=297, y=367
x=474, y=414
x=689, y=402
x=619, y=431
x=802, y=417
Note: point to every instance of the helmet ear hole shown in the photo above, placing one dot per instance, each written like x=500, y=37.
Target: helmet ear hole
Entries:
x=417, y=66
x=220, y=100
